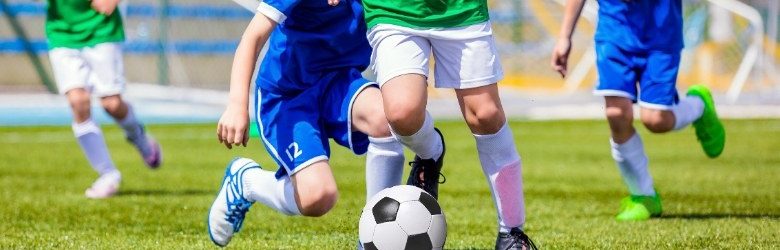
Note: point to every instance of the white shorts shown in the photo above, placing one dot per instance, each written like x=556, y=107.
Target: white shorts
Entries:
x=98, y=69
x=466, y=57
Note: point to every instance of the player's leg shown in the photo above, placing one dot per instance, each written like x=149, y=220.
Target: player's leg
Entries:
x=627, y=148
x=303, y=185
x=90, y=138
x=500, y=161
x=244, y=183
x=72, y=75
x=106, y=62
x=311, y=191
x=662, y=112
x=400, y=60
x=617, y=74
x=385, y=154
x=467, y=61
x=629, y=155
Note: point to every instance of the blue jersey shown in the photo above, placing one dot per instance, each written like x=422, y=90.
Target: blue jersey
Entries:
x=641, y=25
x=312, y=39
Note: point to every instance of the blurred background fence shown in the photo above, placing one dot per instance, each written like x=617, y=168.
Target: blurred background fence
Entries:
x=730, y=45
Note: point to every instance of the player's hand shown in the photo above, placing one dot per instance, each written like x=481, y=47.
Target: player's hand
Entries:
x=333, y=2
x=105, y=7
x=560, y=56
x=232, y=129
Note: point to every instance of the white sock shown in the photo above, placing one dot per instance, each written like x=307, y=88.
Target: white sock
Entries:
x=384, y=164
x=134, y=131
x=279, y=194
x=502, y=167
x=632, y=162
x=426, y=143
x=689, y=109
x=94, y=146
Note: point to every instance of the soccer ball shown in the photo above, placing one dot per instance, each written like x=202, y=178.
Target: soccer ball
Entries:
x=402, y=217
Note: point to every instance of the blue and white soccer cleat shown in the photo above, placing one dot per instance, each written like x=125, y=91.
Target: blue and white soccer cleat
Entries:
x=227, y=212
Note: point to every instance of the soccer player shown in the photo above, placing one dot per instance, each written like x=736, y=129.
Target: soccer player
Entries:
x=86, y=56
x=309, y=88
x=458, y=33
x=638, y=46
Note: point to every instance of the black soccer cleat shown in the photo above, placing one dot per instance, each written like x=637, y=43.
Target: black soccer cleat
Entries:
x=425, y=172
x=515, y=239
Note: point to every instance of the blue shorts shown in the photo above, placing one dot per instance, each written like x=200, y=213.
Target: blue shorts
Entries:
x=295, y=127
x=654, y=71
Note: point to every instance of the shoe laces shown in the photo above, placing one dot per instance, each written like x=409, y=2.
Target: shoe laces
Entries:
x=520, y=238
x=418, y=167
x=236, y=203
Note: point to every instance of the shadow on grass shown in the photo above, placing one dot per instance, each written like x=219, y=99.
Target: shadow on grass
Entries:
x=719, y=216
x=184, y=192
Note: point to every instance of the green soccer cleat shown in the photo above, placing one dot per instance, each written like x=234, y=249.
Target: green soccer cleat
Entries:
x=639, y=208
x=709, y=129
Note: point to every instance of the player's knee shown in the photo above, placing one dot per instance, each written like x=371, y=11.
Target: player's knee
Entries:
x=377, y=125
x=487, y=119
x=656, y=124
x=79, y=101
x=112, y=104
x=319, y=202
x=379, y=128
x=619, y=114
x=406, y=119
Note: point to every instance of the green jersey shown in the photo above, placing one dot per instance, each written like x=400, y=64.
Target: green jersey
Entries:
x=74, y=24
x=425, y=13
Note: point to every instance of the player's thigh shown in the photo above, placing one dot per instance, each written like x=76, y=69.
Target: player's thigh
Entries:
x=481, y=107
x=658, y=81
x=368, y=114
x=290, y=130
x=398, y=51
x=107, y=76
x=352, y=110
x=71, y=71
x=617, y=74
x=466, y=57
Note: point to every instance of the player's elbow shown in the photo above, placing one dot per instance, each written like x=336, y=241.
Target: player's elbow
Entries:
x=318, y=202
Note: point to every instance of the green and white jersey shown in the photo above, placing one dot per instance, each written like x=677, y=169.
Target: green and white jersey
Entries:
x=425, y=13
x=74, y=24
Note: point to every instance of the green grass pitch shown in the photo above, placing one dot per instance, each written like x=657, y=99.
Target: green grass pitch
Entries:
x=572, y=190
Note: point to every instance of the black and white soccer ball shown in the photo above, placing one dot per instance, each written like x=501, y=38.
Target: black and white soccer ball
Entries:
x=402, y=217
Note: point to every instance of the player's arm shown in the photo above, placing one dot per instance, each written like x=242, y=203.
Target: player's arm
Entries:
x=232, y=127
x=560, y=54
x=105, y=7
